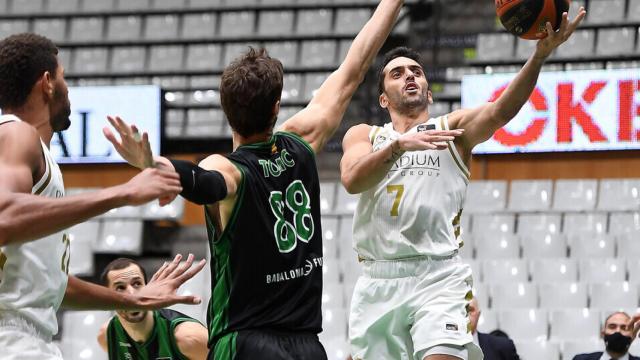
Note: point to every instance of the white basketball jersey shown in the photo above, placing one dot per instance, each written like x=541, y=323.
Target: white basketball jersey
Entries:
x=33, y=275
x=415, y=210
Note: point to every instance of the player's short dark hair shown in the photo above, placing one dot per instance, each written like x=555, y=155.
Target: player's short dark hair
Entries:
x=119, y=264
x=24, y=58
x=250, y=87
x=397, y=52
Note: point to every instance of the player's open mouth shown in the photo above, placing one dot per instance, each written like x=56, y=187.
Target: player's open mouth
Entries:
x=411, y=87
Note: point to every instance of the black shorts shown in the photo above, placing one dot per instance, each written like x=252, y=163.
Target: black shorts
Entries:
x=267, y=344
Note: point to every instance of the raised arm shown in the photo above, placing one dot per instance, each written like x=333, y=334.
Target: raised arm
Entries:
x=319, y=120
x=482, y=122
x=159, y=293
x=26, y=217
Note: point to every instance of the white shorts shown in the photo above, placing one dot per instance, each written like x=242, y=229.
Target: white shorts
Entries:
x=405, y=309
x=20, y=344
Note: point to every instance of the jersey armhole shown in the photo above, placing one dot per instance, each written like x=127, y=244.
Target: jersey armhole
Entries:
x=444, y=125
x=299, y=139
x=236, y=207
x=111, y=352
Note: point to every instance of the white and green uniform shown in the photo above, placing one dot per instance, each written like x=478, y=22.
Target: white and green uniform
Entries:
x=33, y=279
x=406, y=229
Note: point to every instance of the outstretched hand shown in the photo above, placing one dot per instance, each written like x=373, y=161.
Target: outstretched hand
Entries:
x=555, y=38
x=634, y=326
x=132, y=146
x=161, y=290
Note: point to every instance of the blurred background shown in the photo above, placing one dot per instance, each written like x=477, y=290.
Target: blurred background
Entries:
x=552, y=220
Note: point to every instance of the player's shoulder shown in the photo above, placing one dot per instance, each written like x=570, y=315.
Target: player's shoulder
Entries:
x=21, y=141
x=216, y=162
x=360, y=131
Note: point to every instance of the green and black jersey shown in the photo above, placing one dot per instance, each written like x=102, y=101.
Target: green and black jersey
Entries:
x=266, y=266
x=160, y=345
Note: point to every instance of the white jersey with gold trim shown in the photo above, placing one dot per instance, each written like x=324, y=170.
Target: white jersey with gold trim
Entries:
x=33, y=275
x=415, y=210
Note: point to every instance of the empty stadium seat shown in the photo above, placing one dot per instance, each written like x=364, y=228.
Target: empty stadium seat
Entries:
x=498, y=46
x=292, y=87
x=613, y=295
x=204, y=3
x=54, y=29
x=198, y=285
x=327, y=195
x=128, y=59
x=331, y=271
x=633, y=267
x=619, y=194
x=592, y=246
x=502, y=246
x=165, y=57
x=334, y=323
x=524, y=48
x=544, y=246
x=524, y=324
x=579, y=45
x=332, y=295
x=203, y=122
x=505, y=270
x=161, y=27
x=476, y=269
x=554, y=270
x=237, y=23
x=634, y=11
x=285, y=51
x=481, y=293
x=318, y=53
x=86, y=29
x=80, y=329
x=514, y=296
x=574, y=324
x=486, y=196
x=467, y=251
x=616, y=41
x=312, y=82
x=198, y=26
x=169, y=4
x=60, y=6
x=124, y=27
x=620, y=223
x=563, y=295
x=98, y=6
x=350, y=21
x=130, y=5
x=530, y=195
x=628, y=245
x=235, y=50
x=27, y=6
x=90, y=60
x=486, y=224
x=606, y=12
x=204, y=57
x=603, y=270
x=330, y=237
x=10, y=27
x=275, y=23
x=590, y=224
x=120, y=236
x=575, y=195
x=537, y=350
x=538, y=224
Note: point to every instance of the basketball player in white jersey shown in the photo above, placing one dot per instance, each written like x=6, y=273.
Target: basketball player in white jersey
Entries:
x=34, y=253
x=411, y=301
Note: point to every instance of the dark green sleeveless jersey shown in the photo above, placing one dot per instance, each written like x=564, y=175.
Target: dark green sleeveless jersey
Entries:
x=160, y=345
x=266, y=267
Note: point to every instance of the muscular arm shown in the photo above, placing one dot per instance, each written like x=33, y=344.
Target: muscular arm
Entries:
x=191, y=338
x=25, y=217
x=482, y=122
x=361, y=167
x=320, y=119
x=83, y=295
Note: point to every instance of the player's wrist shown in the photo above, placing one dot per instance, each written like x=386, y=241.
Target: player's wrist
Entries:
x=397, y=149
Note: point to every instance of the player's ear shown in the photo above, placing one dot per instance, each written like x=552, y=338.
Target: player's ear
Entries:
x=276, y=108
x=384, y=101
x=430, y=97
x=47, y=85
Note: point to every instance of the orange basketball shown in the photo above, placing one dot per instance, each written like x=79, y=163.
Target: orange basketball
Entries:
x=527, y=18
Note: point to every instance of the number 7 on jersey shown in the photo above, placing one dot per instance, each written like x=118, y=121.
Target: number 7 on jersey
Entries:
x=399, y=190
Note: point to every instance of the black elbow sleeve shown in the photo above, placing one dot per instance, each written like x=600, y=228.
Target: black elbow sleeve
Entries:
x=199, y=185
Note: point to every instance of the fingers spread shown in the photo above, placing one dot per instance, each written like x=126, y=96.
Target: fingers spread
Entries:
x=192, y=271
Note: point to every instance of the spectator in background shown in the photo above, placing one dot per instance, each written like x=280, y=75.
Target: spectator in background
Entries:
x=617, y=336
x=494, y=347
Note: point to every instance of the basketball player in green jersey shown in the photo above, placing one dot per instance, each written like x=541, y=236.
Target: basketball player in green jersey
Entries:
x=262, y=202
x=411, y=301
x=159, y=334
x=34, y=253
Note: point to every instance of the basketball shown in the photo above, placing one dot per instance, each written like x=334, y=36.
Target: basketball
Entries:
x=527, y=18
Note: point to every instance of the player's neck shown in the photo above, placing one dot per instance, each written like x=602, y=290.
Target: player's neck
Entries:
x=239, y=140
x=140, y=331
x=38, y=117
x=403, y=122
